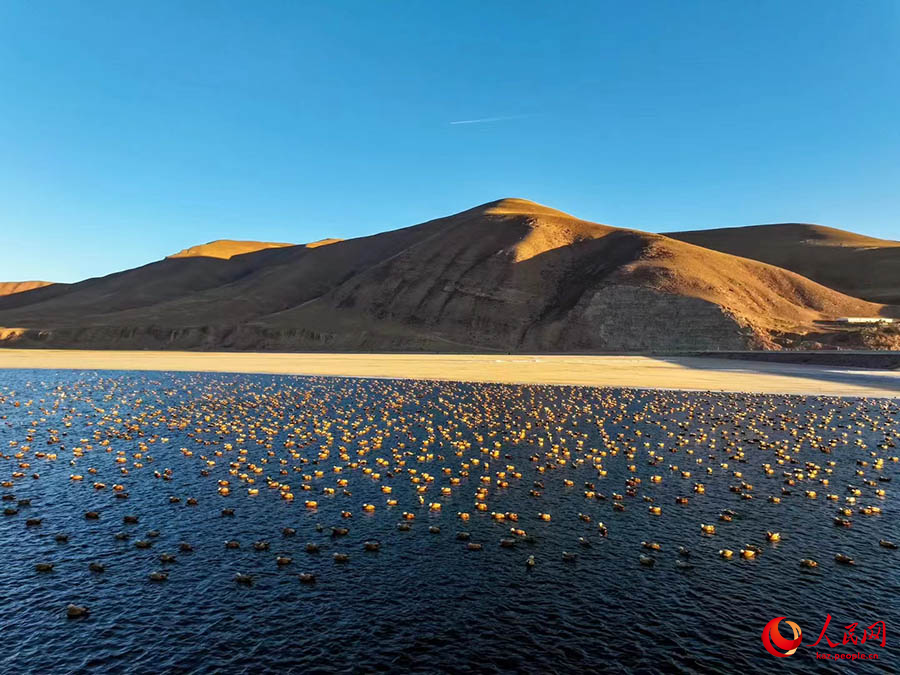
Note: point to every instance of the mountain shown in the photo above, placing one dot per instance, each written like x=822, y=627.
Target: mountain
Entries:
x=11, y=287
x=225, y=249
x=851, y=263
x=510, y=275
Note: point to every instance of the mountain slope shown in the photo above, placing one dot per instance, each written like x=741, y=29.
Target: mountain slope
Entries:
x=510, y=275
x=860, y=266
x=12, y=287
x=226, y=249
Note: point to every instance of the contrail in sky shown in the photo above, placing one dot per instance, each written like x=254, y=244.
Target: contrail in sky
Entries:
x=491, y=119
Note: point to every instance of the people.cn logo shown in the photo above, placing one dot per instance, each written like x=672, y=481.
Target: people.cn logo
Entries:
x=773, y=641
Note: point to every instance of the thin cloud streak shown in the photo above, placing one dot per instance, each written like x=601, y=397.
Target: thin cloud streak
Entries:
x=492, y=119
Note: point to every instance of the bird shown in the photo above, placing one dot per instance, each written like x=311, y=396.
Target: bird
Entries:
x=77, y=611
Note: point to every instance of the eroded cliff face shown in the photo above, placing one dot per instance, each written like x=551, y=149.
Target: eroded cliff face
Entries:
x=629, y=318
x=507, y=276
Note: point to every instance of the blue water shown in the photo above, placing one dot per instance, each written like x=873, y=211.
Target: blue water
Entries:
x=424, y=602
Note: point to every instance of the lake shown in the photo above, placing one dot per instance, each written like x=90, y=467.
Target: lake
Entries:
x=573, y=478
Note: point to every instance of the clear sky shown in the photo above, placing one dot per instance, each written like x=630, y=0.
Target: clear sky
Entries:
x=130, y=130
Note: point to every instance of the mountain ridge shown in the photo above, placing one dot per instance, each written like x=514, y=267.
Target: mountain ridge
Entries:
x=854, y=264
x=508, y=275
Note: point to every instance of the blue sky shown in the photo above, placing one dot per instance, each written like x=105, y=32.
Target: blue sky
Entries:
x=130, y=130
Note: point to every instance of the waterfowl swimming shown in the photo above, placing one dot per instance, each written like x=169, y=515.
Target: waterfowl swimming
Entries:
x=76, y=611
x=61, y=538
x=341, y=557
x=683, y=552
x=569, y=557
x=245, y=579
x=808, y=562
x=708, y=529
x=288, y=532
x=472, y=546
x=726, y=553
x=773, y=536
x=748, y=554
x=33, y=522
x=130, y=520
x=844, y=559
x=339, y=531
x=44, y=567
x=153, y=534
x=143, y=543
x=507, y=542
x=92, y=515
x=166, y=558
x=159, y=576
x=261, y=545
x=283, y=560
x=97, y=567
x=529, y=562
x=647, y=561
x=227, y=512
x=232, y=543
x=652, y=545
x=884, y=543
x=463, y=536
x=434, y=529
x=185, y=547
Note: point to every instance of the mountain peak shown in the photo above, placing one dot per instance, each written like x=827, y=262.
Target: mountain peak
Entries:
x=225, y=249
x=11, y=287
x=515, y=206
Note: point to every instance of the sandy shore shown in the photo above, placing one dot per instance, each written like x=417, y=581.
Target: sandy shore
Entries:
x=692, y=373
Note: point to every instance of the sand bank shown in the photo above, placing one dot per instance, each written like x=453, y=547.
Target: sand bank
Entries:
x=691, y=373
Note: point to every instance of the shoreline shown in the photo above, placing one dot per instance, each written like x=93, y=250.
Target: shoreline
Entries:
x=688, y=373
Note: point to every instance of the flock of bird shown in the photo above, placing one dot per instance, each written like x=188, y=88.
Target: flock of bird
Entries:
x=450, y=454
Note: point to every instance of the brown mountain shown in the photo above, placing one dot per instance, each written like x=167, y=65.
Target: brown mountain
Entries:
x=225, y=249
x=861, y=266
x=11, y=287
x=510, y=275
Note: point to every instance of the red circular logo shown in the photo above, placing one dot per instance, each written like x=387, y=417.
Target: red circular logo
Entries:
x=771, y=638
